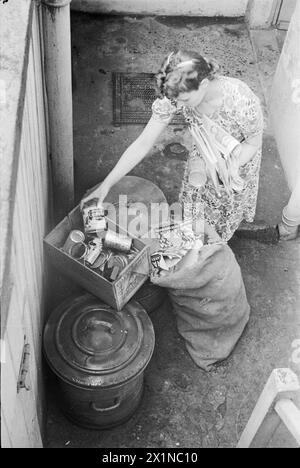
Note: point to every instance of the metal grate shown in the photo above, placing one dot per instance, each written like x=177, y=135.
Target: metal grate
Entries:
x=133, y=95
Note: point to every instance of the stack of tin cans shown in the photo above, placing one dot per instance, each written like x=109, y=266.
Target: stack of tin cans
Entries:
x=94, y=218
x=98, y=247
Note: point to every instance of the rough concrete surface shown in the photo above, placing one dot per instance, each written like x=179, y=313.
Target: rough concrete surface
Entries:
x=182, y=405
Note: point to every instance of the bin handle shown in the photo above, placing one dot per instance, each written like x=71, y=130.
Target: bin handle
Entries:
x=109, y=408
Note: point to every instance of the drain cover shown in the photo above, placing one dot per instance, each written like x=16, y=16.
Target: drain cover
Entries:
x=176, y=151
x=133, y=95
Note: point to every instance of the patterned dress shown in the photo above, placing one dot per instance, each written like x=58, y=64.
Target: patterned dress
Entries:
x=241, y=116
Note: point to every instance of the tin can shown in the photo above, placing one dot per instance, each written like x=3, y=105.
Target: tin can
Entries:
x=101, y=260
x=120, y=261
x=93, y=219
x=78, y=250
x=116, y=241
x=94, y=250
x=115, y=273
x=73, y=238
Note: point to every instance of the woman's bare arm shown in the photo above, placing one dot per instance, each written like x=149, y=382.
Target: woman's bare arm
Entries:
x=133, y=155
x=136, y=152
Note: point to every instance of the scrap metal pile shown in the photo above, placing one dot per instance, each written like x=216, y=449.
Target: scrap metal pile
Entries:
x=99, y=248
x=173, y=242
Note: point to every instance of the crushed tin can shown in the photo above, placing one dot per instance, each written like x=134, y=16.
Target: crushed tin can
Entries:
x=117, y=263
x=115, y=273
x=101, y=260
x=120, y=261
x=118, y=242
x=94, y=220
x=94, y=249
x=76, y=236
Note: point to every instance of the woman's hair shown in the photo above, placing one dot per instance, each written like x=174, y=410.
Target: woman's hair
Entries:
x=182, y=72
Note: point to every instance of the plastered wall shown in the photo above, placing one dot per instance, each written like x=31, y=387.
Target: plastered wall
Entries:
x=165, y=7
x=285, y=102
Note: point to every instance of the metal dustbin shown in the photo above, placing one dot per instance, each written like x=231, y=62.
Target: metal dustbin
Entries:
x=98, y=356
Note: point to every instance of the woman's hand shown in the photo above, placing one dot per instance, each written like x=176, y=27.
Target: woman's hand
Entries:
x=98, y=194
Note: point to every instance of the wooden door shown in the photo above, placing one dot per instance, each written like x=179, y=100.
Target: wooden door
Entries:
x=22, y=295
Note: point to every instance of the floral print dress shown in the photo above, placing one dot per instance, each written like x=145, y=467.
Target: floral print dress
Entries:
x=241, y=116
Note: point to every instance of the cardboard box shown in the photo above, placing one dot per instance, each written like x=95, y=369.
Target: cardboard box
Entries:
x=116, y=293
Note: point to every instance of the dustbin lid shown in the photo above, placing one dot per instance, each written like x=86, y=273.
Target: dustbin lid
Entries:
x=89, y=343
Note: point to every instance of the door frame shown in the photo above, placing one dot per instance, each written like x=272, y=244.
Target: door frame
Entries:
x=277, y=4
x=277, y=7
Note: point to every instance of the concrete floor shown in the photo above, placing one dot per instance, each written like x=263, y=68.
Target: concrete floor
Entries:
x=101, y=45
x=182, y=405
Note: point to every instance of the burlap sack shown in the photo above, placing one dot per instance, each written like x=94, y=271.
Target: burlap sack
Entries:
x=209, y=299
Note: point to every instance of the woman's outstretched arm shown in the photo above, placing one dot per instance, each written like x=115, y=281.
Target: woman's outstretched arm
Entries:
x=133, y=155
